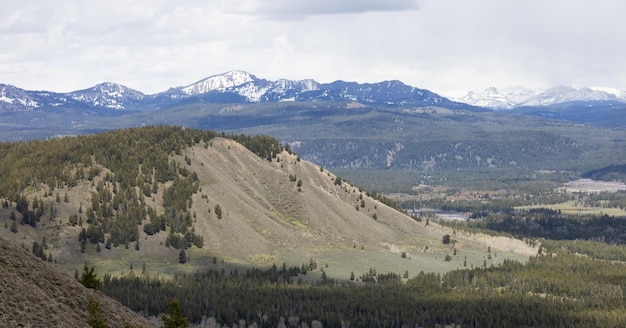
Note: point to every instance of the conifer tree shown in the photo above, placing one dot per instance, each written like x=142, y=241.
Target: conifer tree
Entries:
x=182, y=257
x=89, y=278
x=174, y=319
x=95, y=319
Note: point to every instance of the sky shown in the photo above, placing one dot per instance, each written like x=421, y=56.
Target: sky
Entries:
x=446, y=46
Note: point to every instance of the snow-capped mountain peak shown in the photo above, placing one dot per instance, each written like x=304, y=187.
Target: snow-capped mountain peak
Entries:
x=219, y=82
x=499, y=98
x=508, y=98
x=620, y=94
x=107, y=94
x=14, y=98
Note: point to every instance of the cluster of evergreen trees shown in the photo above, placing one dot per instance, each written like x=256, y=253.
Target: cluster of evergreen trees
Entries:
x=556, y=290
x=549, y=224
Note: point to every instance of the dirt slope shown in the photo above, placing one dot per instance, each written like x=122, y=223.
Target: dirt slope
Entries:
x=34, y=294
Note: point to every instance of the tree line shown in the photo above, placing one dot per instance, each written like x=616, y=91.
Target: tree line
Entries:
x=551, y=290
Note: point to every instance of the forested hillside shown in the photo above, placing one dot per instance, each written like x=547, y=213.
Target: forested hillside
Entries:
x=163, y=200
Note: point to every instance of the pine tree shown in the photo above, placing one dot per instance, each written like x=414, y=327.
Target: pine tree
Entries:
x=182, y=257
x=89, y=278
x=174, y=319
x=95, y=319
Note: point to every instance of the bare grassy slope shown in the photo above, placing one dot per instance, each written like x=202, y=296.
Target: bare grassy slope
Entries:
x=33, y=294
x=268, y=217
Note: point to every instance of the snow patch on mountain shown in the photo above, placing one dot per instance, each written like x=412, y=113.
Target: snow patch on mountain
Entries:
x=251, y=91
x=508, y=98
x=283, y=85
x=16, y=97
x=219, y=82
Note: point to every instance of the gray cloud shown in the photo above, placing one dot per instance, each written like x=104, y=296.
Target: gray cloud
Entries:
x=295, y=9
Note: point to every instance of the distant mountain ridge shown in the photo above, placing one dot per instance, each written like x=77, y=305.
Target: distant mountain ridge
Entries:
x=508, y=98
x=229, y=87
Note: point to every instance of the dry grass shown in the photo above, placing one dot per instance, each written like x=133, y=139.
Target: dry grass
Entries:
x=33, y=294
x=574, y=208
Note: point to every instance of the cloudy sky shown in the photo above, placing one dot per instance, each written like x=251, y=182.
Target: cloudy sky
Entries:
x=447, y=46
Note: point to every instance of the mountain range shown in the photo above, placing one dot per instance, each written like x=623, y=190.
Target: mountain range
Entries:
x=242, y=87
x=230, y=87
x=508, y=98
x=387, y=125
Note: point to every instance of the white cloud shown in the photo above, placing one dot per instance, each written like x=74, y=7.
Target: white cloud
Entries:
x=448, y=46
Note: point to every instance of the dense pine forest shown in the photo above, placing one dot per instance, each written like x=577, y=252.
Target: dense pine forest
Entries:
x=560, y=289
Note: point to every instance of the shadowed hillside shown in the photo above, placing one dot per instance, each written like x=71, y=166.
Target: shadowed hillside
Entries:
x=33, y=294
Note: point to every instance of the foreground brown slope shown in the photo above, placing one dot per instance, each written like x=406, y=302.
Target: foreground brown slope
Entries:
x=270, y=217
x=34, y=294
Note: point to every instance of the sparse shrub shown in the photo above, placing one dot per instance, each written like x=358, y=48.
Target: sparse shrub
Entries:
x=446, y=239
x=218, y=211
